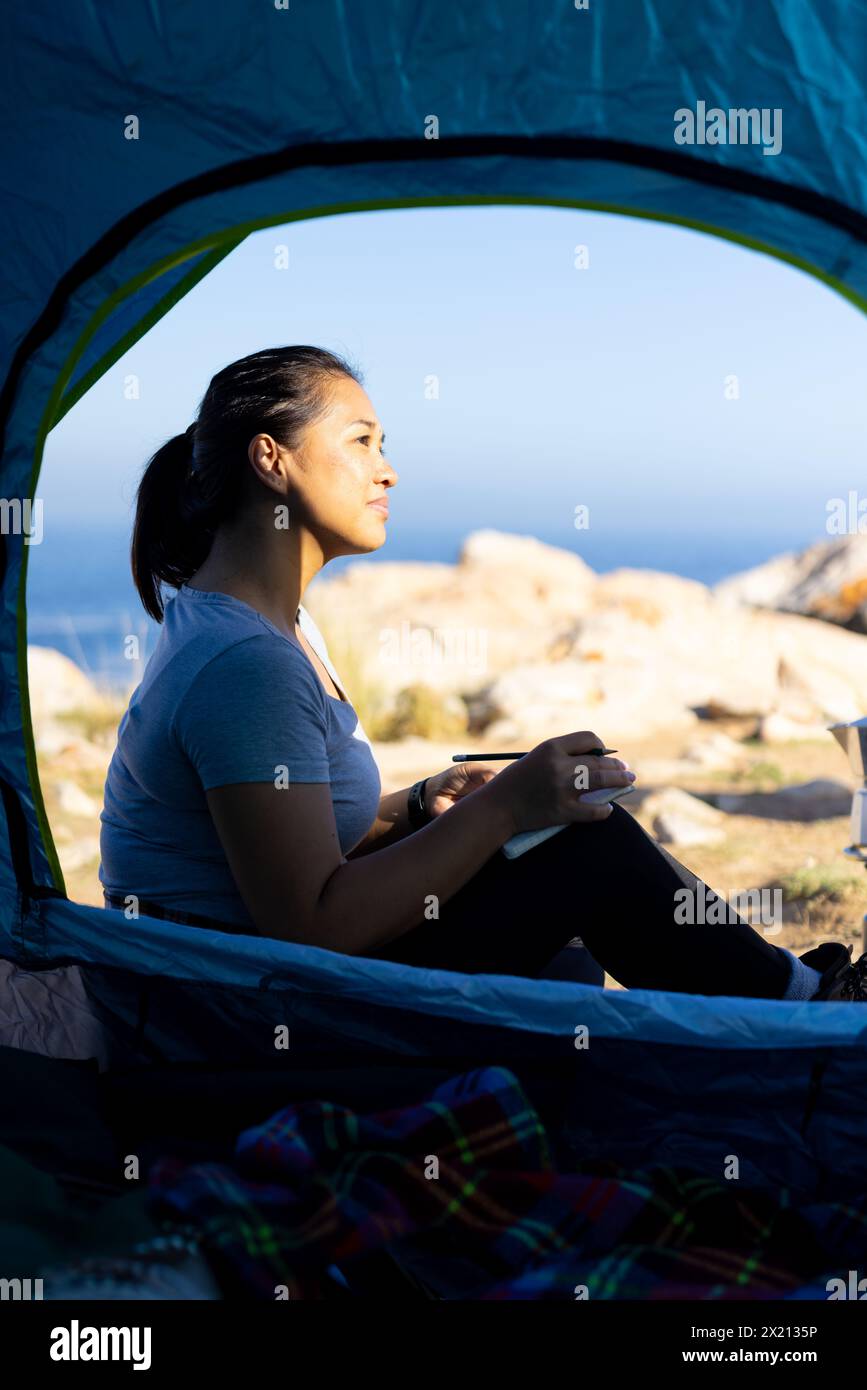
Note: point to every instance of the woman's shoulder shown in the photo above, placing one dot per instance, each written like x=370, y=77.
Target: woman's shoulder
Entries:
x=255, y=692
x=257, y=659
x=228, y=654
x=208, y=629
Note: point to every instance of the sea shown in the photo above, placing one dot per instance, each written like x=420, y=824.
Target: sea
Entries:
x=81, y=599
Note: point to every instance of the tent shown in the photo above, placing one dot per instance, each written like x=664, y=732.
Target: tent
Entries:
x=143, y=143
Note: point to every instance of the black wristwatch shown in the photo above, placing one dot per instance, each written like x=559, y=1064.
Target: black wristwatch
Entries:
x=417, y=811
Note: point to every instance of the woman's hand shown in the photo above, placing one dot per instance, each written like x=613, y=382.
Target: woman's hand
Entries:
x=444, y=788
x=546, y=786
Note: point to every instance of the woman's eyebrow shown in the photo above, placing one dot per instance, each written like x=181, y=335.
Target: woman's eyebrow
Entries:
x=371, y=423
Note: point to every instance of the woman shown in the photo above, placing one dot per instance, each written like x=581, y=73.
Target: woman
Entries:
x=243, y=792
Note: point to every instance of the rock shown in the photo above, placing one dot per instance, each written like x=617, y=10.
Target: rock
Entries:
x=808, y=801
x=454, y=627
x=715, y=750
x=649, y=595
x=537, y=645
x=523, y=562
x=78, y=854
x=779, y=728
x=541, y=700
x=72, y=801
x=680, y=819
x=534, y=702
x=807, y=685
x=678, y=650
x=822, y=670
x=827, y=580
x=764, y=586
x=56, y=684
x=795, y=666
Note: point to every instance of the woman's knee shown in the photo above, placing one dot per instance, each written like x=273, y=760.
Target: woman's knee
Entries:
x=599, y=841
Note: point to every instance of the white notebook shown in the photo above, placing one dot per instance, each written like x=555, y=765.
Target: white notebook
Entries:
x=528, y=839
x=519, y=844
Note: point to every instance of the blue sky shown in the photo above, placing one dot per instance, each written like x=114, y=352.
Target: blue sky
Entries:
x=558, y=386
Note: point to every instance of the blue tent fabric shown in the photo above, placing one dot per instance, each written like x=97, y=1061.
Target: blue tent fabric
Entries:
x=125, y=317
x=249, y=116
x=666, y=1078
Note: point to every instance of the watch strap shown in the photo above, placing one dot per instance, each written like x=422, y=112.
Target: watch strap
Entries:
x=417, y=810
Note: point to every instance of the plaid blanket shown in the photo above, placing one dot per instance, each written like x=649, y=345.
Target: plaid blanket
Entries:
x=467, y=1176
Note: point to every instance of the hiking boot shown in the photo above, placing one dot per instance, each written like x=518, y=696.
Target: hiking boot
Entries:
x=851, y=984
x=843, y=980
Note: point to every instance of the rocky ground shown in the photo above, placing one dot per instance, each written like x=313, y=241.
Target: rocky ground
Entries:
x=720, y=707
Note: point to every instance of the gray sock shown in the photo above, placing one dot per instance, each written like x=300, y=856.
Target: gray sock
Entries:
x=803, y=981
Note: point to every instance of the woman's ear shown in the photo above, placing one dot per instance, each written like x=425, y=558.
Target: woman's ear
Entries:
x=264, y=454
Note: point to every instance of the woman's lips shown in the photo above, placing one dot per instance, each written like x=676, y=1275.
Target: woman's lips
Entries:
x=380, y=505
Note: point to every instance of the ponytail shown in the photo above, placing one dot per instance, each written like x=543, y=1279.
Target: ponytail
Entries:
x=168, y=543
x=195, y=481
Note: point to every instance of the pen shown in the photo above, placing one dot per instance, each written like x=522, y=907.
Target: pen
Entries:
x=502, y=757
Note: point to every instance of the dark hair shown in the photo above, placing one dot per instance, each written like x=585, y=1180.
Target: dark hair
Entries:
x=195, y=481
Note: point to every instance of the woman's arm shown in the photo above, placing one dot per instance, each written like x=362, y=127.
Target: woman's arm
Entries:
x=442, y=791
x=283, y=849
x=284, y=853
x=391, y=824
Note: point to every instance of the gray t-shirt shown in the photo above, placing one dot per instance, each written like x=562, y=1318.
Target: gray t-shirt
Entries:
x=225, y=697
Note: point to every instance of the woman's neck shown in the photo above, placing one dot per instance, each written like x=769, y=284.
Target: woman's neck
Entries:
x=269, y=571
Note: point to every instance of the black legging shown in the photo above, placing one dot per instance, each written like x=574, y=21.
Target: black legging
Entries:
x=610, y=883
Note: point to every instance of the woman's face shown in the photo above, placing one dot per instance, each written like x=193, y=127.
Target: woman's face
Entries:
x=340, y=471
